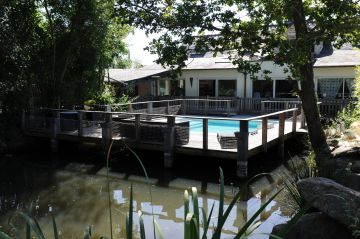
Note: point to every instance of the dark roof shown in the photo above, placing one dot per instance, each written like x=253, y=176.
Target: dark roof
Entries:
x=334, y=58
x=338, y=58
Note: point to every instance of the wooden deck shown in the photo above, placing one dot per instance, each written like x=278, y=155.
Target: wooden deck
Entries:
x=169, y=136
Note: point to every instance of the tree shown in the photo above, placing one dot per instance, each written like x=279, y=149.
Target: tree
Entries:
x=53, y=53
x=247, y=28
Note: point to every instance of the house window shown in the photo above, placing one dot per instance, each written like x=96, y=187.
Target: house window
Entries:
x=164, y=88
x=335, y=88
x=206, y=87
x=262, y=88
x=285, y=88
x=227, y=88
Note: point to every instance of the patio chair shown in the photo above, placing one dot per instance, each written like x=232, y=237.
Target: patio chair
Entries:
x=229, y=140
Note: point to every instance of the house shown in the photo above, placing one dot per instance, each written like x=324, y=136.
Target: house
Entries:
x=204, y=75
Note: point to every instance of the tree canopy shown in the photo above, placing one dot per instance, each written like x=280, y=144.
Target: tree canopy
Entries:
x=246, y=28
x=54, y=53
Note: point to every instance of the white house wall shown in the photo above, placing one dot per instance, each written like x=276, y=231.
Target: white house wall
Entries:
x=218, y=74
x=334, y=72
x=277, y=73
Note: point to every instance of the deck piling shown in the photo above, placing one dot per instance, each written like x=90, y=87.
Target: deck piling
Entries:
x=169, y=142
x=281, y=145
x=264, y=132
x=54, y=143
x=242, y=149
x=106, y=132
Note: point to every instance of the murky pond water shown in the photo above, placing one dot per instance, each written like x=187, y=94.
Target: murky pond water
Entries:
x=76, y=194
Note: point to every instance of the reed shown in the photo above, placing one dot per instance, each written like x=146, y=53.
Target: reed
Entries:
x=192, y=219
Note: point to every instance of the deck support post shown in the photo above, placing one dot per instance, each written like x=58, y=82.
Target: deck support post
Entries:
x=169, y=142
x=242, y=149
x=264, y=133
x=281, y=145
x=54, y=143
x=106, y=132
x=80, y=123
x=205, y=133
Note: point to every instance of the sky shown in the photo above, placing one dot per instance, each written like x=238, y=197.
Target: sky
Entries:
x=136, y=43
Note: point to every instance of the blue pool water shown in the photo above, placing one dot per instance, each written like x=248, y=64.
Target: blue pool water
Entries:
x=222, y=126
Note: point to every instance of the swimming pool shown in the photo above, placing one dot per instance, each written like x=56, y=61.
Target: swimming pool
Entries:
x=221, y=126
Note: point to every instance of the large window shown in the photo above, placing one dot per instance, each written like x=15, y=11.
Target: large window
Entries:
x=285, y=88
x=335, y=88
x=262, y=88
x=227, y=88
x=164, y=88
x=206, y=87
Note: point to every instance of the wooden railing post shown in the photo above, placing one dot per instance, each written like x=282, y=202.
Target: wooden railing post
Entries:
x=169, y=142
x=242, y=149
x=262, y=107
x=206, y=106
x=302, y=118
x=106, y=132
x=130, y=108
x=205, y=133
x=238, y=106
x=281, y=145
x=286, y=105
x=264, y=133
x=150, y=110
x=294, y=120
x=150, y=107
x=54, y=134
x=183, y=106
x=137, y=128
x=80, y=123
x=227, y=108
x=168, y=107
x=107, y=108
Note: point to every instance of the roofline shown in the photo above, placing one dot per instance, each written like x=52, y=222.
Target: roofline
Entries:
x=336, y=66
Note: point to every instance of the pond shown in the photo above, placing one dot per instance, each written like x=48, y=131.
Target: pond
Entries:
x=76, y=194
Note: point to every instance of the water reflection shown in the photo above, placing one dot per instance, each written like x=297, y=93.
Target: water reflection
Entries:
x=77, y=200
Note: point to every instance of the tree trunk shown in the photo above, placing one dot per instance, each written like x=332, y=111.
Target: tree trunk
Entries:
x=307, y=92
x=309, y=103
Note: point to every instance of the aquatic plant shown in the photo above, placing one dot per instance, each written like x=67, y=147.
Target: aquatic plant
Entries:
x=192, y=219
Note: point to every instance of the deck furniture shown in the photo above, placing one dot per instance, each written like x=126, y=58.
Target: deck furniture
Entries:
x=229, y=140
x=152, y=131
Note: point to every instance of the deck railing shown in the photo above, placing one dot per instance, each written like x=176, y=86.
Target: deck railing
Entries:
x=196, y=105
x=140, y=127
